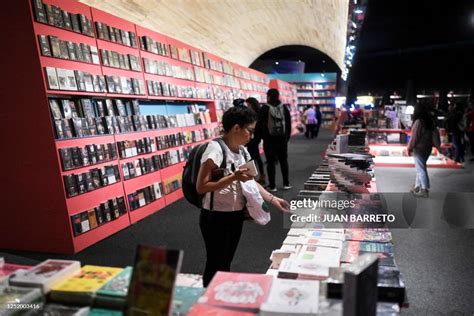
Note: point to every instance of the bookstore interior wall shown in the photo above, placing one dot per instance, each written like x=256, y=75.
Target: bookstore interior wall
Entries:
x=262, y=25
x=104, y=116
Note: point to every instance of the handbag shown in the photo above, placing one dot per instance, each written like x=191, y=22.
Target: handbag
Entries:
x=256, y=207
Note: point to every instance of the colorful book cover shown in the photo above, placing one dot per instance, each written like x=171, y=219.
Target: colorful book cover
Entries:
x=153, y=280
x=118, y=285
x=6, y=269
x=237, y=290
x=292, y=268
x=47, y=273
x=88, y=280
x=372, y=235
x=208, y=310
x=323, y=256
x=184, y=298
x=292, y=297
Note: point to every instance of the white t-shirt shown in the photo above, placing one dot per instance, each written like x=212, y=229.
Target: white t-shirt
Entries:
x=230, y=198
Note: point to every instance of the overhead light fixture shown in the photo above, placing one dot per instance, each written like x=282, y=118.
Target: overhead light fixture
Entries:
x=358, y=11
x=322, y=75
x=276, y=63
x=354, y=25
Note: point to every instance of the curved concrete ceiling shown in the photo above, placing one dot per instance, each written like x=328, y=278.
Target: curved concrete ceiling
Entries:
x=241, y=30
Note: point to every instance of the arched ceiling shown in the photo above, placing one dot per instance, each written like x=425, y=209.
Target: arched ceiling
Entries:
x=241, y=30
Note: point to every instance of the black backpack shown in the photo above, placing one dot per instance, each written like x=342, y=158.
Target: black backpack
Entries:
x=191, y=171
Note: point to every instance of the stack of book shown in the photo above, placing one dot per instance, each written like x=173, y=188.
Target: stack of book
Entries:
x=351, y=172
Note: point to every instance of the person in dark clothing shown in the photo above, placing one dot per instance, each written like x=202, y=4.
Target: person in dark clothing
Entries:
x=470, y=128
x=424, y=135
x=274, y=127
x=253, y=144
x=319, y=118
x=452, y=124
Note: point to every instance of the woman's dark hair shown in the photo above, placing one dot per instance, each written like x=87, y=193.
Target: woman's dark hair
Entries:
x=423, y=114
x=239, y=115
x=273, y=96
x=239, y=102
x=253, y=104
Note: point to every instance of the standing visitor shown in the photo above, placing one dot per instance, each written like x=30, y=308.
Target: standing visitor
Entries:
x=222, y=214
x=274, y=127
x=470, y=128
x=310, y=121
x=319, y=120
x=424, y=135
x=454, y=127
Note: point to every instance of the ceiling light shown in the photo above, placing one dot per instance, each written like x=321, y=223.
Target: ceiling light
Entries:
x=276, y=63
x=358, y=11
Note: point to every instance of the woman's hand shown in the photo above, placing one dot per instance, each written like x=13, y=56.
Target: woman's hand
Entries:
x=281, y=204
x=241, y=175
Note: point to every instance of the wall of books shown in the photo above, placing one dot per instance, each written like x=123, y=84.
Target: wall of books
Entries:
x=105, y=114
x=314, y=89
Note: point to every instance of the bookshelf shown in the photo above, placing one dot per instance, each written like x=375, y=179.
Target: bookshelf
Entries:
x=41, y=208
x=288, y=96
x=314, y=89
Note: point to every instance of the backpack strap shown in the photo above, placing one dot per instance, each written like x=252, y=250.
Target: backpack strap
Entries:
x=221, y=143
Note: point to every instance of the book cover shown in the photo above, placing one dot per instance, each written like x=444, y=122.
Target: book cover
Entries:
x=291, y=268
x=153, y=280
x=52, y=78
x=75, y=23
x=7, y=269
x=118, y=285
x=67, y=20
x=76, y=224
x=288, y=297
x=70, y=185
x=237, y=290
x=121, y=205
x=46, y=274
x=64, y=53
x=40, y=12
x=92, y=218
x=94, y=55
x=184, y=298
x=44, y=45
x=99, y=215
x=207, y=310
x=85, y=225
x=81, y=287
x=71, y=50
x=66, y=158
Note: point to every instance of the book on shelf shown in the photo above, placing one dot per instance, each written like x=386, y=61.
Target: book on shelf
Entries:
x=185, y=298
x=81, y=288
x=46, y=274
x=204, y=309
x=52, y=78
x=292, y=268
x=8, y=269
x=153, y=280
x=243, y=291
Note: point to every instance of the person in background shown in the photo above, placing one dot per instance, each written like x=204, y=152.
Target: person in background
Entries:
x=454, y=127
x=424, y=135
x=470, y=128
x=274, y=127
x=253, y=144
x=310, y=121
x=319, y=120
x=221, y=221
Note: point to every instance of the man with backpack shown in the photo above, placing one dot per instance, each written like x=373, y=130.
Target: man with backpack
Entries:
x=274, y=127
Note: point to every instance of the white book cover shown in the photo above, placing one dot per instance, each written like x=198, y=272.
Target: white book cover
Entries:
x=323, y=256
x=71, y=80
x=272, y=272
x=326, y=235
x=292, y=297
x=303, y=268
x=46, y=274
x=333, y=243
x=298, y=232
x=52, y=77
x=95, y=55
x=62, y=79
x=291, y=240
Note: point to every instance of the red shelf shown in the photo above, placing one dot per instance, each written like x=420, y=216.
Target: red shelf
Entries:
x=93, y=236
x=135, y=135
x=174, y=196
x=70, y=93
x=140, y=182
x=83, y=141
x=147, y=210
x=172, y=171
x=63, y=34
x=122, y=96
x=92, y=199
x=133, y=158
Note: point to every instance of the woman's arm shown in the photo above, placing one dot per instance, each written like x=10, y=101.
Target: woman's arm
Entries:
x=204, y=181
x=281, y=204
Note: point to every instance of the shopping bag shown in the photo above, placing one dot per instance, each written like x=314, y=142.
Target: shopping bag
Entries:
x=256, y=206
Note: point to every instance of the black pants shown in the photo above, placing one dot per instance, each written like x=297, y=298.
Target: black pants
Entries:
x=255, y=154
x=310, y=130
x=276, y=150
x=316, y=130
x=221, y=232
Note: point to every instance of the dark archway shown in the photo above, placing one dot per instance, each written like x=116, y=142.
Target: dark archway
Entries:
x=313, y=59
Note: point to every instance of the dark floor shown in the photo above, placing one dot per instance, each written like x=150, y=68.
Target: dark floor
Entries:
x=437, y=262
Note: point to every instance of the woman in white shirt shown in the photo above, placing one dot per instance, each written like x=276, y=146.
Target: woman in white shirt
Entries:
x=222, y=214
